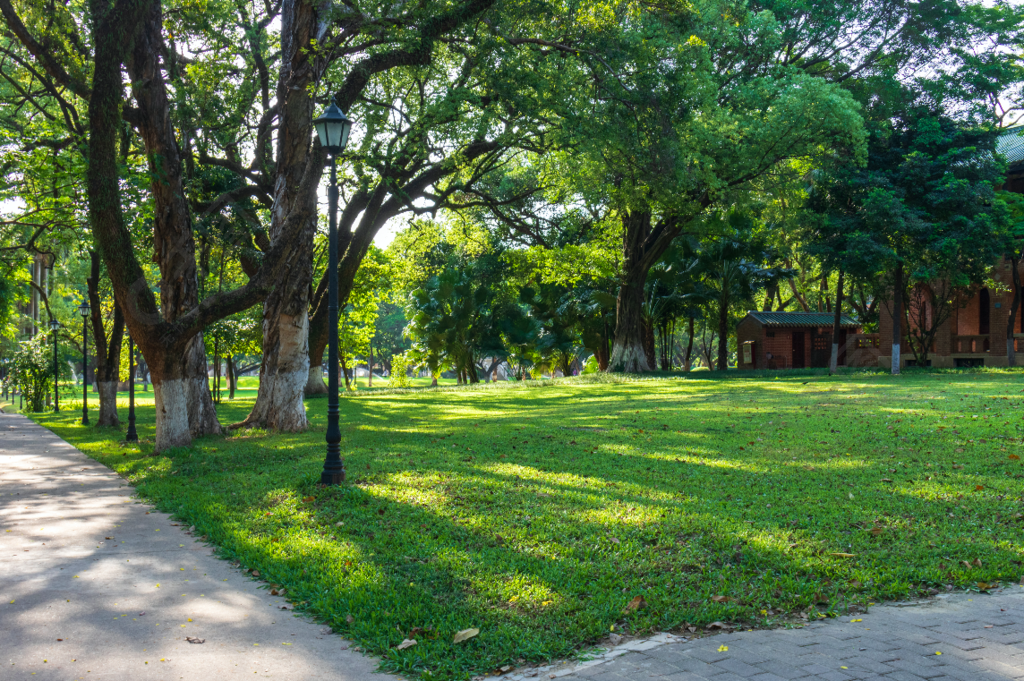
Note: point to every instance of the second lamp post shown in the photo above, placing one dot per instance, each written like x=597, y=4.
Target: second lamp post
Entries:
x=332, y=128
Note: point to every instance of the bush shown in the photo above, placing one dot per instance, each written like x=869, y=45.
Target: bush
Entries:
x=32, y=371
x=399, y=371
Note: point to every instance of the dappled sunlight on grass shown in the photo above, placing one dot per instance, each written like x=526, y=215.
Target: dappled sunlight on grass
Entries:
x=537, y=511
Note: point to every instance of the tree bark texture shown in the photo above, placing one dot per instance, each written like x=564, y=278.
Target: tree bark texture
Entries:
x=114, y=27
x=284, y=373
x=174, y=244
x=107, y=357
x=643, y=244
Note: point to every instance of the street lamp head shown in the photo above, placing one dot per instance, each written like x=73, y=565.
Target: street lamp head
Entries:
x=54, y=324
x=332, y=128
x=83, y=309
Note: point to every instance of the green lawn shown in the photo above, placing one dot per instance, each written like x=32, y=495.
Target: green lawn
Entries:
x=537, y=512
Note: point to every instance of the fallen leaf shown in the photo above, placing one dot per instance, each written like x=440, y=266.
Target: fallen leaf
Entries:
x=978, y=488
x=721, y=599
x=287, y=606
x=876, y=530
x=635, y=604
x=886, y=480
x=717, y=625
x=407, y=643
x=613, y=540
x=308, y=499
x=843, y=555
x=465, y=635
x=255, y=573
x=350, y=619
x=193, y=639
x=977, y=562
x=543, y=494
x=1014, y=457
x=966, y=564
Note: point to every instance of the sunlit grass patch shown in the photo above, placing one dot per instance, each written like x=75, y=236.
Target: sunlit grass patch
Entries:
x=538, y=511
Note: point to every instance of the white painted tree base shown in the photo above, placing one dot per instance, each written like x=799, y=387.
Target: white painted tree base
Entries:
x=171, y=415
x=630, y=359
x=108, y=404
x=315, y=384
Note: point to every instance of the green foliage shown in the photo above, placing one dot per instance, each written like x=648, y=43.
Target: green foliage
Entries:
x=399, y=377
x=31, y=371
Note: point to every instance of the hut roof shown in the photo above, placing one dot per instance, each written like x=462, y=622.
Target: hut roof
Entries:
x=800, y=319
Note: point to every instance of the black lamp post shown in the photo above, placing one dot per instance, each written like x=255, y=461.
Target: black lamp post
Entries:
x=332, y=128
x=83, y=310
x=131, y=435
x=55, y=327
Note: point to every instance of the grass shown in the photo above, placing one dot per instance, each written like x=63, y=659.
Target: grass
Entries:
x=537, y=512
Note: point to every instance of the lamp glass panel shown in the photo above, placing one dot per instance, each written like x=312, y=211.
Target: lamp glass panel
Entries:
x=321, y=132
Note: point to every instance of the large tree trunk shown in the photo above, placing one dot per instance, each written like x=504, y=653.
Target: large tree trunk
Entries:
x=107, y=357
x=1011, y=322
x=284, y=373
x=182, y=362
x=202, y=414
x=108, y=404
x=642, y=247
x=104, y=192
x=836, y=326
x=649, y=350
x=897, y=319
x=628, y=351
x=315, y=382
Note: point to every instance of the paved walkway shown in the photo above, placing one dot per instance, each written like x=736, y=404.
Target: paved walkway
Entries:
x=94, y=585
x=971, y=637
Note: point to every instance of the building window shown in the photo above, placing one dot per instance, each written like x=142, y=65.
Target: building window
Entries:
x=770, y=334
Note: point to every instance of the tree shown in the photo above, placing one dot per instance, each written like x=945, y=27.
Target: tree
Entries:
x=921, y=219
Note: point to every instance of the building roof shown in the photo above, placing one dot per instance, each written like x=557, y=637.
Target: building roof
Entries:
x=799, y=319
x=1010, y=144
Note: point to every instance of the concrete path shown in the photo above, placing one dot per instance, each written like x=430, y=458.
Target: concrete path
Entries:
x=94, y=585
x=970, y=637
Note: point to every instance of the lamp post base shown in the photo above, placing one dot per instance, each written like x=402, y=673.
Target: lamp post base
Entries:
x=332, y=478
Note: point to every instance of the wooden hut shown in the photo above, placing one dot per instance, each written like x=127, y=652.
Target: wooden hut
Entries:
x=790, y=340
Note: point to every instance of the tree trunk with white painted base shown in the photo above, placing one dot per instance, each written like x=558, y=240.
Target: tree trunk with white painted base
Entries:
x=284, y=372
x=202, y=414
x=315, y=384
x=628, y=354
x=108, y=404
x=643, y=244
x=172, y=427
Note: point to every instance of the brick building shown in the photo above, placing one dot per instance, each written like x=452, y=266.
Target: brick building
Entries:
x=797, y=340
x=976, y=333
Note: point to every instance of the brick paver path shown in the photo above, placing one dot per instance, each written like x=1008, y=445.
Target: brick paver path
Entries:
x=980, y=638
